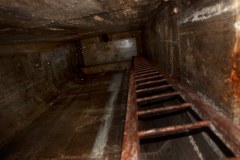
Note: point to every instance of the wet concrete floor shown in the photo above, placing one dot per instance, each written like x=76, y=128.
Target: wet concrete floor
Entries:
x=85, y=123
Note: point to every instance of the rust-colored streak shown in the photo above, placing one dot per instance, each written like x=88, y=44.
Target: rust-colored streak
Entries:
x=235, y=72
x=235, y=79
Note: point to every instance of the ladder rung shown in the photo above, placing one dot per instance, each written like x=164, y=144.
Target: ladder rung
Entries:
x=172, y=129
x=164, y=109
x=144, y=66
x=145, y=69
x=152, y=89
x=148, y=78
x=157, y=97
x=147, y=74
x=153, y=82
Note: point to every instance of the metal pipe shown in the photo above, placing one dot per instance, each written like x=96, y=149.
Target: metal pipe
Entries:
x=157, y=97
x=172, y=129
x=164, y=109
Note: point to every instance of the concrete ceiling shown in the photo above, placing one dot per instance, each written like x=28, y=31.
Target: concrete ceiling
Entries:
x=50, y=20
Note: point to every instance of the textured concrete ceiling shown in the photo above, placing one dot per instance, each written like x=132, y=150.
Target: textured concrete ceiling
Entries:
x=47, y=20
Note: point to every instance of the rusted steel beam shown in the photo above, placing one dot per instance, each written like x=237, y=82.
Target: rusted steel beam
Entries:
x=140, y=80
x=130, y=147
x=165, y=109
x=145, y=72
x=157, y=97
x=145, y=75
x=150, y=83
x=153, y=89
x=172, y=129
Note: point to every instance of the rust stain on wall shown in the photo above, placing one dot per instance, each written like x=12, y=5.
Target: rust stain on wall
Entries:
x=235, y=80
x=235, y=73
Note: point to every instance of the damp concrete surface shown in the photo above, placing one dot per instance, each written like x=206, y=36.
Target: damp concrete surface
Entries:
x=86, y=122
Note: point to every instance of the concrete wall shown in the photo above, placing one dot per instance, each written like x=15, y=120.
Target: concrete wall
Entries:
x=30, y=75
x=119, y=47
x=197, y=42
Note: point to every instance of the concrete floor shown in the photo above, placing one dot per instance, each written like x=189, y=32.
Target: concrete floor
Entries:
x=85, y=123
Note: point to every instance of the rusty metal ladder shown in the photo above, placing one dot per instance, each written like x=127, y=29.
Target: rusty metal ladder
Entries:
x=146, y=78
